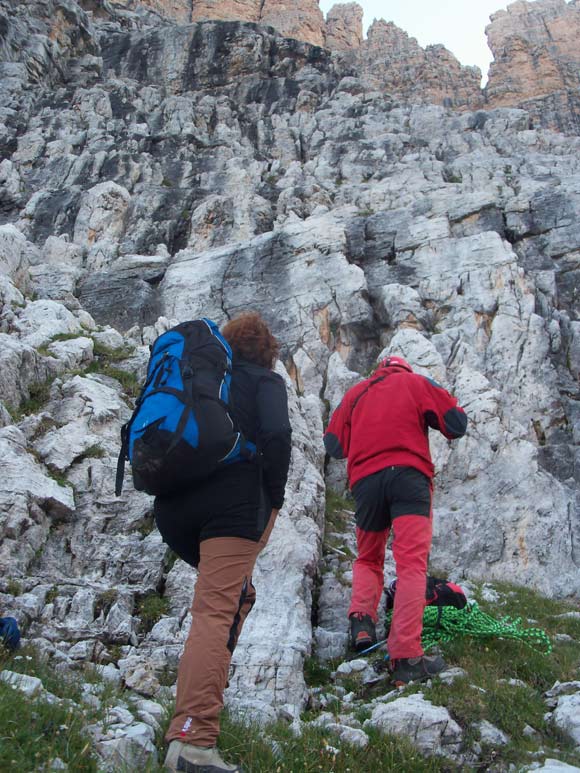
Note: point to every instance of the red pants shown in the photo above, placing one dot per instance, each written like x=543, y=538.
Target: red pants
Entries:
x=411, y=546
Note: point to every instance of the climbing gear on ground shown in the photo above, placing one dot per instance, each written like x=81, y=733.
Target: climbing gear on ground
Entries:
x=443, y=624
x=405, y=670
x=363, y=633
x=9, y=633
x=186, y=758
x=182, y=428
x=439, y=593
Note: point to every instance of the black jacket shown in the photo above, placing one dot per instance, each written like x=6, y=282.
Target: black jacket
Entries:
x=230, y=503
x=260, y=406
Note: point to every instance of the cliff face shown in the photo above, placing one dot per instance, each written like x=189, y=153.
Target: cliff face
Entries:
x=537, y=61
x=395, y=63
x=300, y=19
x=153, y=172
x=534, y=46
x=344, y=27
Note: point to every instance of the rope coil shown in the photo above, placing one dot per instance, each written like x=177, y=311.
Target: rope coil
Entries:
x=443, y=624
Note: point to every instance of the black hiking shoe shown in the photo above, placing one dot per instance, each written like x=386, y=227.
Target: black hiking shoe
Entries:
x=405, y=670
x=363, y=633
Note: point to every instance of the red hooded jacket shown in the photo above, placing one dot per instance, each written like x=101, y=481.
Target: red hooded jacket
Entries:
x=385, y=421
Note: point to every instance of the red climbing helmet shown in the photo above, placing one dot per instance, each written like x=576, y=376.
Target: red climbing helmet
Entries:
x=395, y=362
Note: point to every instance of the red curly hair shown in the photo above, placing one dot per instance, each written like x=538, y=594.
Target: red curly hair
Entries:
x=250, y=338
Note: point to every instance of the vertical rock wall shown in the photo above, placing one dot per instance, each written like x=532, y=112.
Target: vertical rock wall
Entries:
x=537, y=60
x=344, y=27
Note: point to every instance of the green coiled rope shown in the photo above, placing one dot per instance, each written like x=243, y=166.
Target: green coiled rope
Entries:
x=443, y=624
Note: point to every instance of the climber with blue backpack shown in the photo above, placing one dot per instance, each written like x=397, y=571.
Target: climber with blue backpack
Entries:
x=210, y=437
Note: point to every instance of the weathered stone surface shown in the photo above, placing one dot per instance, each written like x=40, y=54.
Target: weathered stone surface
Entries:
x=536, y=60
x=567, y=716
x=209, y=168
x=394, y=63
x=300, y=19
x=429, y=727
x=344, y=30
x=29, y=503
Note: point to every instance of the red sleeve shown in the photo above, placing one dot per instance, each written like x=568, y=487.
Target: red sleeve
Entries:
x=337, y=435
x=441, y=410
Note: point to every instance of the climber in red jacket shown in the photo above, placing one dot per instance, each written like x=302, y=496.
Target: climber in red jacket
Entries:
x=382, y=427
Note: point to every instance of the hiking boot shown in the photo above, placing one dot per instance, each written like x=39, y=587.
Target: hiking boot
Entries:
x=405, y=670
x=196, y=759
x=363, y=633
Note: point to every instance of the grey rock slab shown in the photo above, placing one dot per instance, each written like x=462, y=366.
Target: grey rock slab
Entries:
x=491, y=735
x=550, y=765
x=29, y=685
x=349, y=735
x=429, y=727
x=567, y=716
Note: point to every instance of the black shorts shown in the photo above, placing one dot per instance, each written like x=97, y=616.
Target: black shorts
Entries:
x=389, y=493
x=227, y=504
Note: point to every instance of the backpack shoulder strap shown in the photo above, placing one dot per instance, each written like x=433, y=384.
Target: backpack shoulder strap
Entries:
x=364, y=392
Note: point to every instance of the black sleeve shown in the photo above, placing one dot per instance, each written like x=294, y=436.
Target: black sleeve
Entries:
x=274, y=435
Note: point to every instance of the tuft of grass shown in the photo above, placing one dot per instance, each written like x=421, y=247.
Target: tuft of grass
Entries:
x=59, y=477
x=94, y=452
x=38, y=396
x=151, y=608
x=128, y=380
x=337, y=508
x=111, y=355
x=278, y=750
x=316, y=673
x=105, y=601
x=13, y=588
x=51, y=595
x=35, y=732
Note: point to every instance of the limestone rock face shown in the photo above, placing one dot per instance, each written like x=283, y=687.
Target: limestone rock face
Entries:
x=179, y=11
x=159, y=172
x=395, y=63
x=536, y=60
x=344, y=30
x=301, y=19
x=240, y=10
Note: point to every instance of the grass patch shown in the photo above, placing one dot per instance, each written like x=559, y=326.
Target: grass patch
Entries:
x=337, y=510
x=13, y=588
x=111, y=355
x=59, y=477
x=146, y=525
x=316, y=673
x=129, y=381
x=38, y=396
x=105, y=601
x=151, y=608
x=485, y=693
x=34, y=733
x=94, y=452
x=313, y=752
x=51, y=595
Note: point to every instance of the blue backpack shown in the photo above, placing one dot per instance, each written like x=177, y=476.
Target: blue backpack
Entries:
x=9, y=633
x=182, y=429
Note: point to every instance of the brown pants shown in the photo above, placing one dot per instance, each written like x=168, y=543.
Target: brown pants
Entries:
x=224, y=596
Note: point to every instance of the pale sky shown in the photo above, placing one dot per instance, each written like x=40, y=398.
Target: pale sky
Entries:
x=458, y=24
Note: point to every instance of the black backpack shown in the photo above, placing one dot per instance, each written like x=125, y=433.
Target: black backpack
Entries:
x=182, y=429
x=439, y=593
